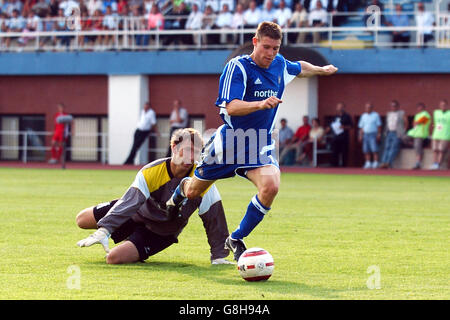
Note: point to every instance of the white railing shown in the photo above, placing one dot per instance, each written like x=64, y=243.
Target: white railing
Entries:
x=35, y=145
x=129, y=33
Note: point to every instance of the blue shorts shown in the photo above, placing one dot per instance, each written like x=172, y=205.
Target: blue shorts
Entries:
x=370, y=142
x=222, y=158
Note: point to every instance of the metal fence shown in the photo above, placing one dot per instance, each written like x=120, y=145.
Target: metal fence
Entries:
x=33, y=145
x=129, y=33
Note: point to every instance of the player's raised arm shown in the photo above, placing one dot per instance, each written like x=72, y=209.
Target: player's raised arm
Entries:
x=310, y=70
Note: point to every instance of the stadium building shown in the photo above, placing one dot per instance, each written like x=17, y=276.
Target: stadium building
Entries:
x=105, y=89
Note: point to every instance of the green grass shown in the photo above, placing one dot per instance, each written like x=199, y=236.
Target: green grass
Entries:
x=324, y=232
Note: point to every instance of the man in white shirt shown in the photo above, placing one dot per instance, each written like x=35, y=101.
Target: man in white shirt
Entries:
x=224, y=21
x=318, y=18
x=252, y=16
x=194, y=21
x=179, y=119
x=425, y=22
x=283, y=14
x=146, y=122
x=268, y=12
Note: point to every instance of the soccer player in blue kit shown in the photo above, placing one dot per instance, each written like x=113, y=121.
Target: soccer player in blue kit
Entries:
x=250, y=91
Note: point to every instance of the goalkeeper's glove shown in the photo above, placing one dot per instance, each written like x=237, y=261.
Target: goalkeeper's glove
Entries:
x=100, y=236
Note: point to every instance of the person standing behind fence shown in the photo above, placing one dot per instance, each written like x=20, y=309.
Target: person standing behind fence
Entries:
x=419, y=132
x=179, y=119
x=146, y=123
x=394, y=131
x=441, y=133
x=340, y=127
x=60, y=133
x=369, y=134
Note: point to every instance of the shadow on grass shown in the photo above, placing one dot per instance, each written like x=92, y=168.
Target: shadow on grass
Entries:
x=221, y=275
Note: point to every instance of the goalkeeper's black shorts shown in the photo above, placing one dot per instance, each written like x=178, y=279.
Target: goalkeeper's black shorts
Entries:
x=146, y=242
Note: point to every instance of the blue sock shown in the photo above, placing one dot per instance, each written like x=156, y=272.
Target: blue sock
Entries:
x=255, y=213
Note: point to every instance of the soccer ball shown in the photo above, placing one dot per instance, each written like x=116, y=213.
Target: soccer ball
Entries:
x=255, y=264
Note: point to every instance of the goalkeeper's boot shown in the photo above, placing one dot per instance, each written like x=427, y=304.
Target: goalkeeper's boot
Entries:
x=236, y=246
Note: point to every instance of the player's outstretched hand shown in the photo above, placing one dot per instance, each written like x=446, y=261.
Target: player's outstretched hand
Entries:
x=329, y=70
x=270, y=103
x=100, y=236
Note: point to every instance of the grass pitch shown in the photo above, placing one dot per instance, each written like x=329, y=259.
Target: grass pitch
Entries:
x=331, y=236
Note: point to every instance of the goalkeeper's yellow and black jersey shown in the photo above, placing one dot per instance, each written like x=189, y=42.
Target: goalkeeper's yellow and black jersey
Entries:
x=152, y=187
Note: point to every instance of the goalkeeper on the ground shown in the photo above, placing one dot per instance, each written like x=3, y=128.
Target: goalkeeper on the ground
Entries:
x=139, y=219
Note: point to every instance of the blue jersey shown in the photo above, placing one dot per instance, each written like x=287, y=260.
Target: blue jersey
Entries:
x=245, y=142
x=243, y=79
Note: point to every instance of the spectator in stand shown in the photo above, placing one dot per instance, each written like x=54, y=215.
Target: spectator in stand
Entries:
x=268, y=12
x=179, y=119
x=68, y=6
x=317, y=134
x=61, y=26
x=32, y=24
x=425, y=22
x=145, y=125
x=311, y=5
x=135, y=4
x=54, y=7
x=231, y=4
x=147, y=6
x=48, y=25
x=109, y=3
x=419, y=133
x=285, y=134
x=138, y=22
x=41, y=8
x=214, y=4
x=252, y=16
x=283, y=14
x=194, y=22
x=340, y=128
x=209, y=23
x=155, y=20
x=317, y=18
x=15, y=24
x=178, y=22
x=97, y=25
x=296, y=143
x=224, y=21
x=238, y=17
x=86, y=25
x=123, y=8
x=394, y=131
x=370, y=134
x=3, y=27
x=399, y=19
x=441, y=133
x=93, y=5
x=299, y=19
x=335, y=7
x=110, y=23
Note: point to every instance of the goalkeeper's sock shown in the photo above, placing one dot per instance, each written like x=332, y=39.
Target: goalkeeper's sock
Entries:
x=254, y=215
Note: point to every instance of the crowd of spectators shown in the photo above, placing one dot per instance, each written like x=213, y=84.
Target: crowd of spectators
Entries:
x=26, y=16
x=380, y=141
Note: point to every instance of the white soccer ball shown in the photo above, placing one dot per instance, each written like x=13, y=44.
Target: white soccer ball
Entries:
x=255, y=264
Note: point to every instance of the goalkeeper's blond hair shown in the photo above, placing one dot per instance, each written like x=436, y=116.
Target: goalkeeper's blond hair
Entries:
x=191, y=134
